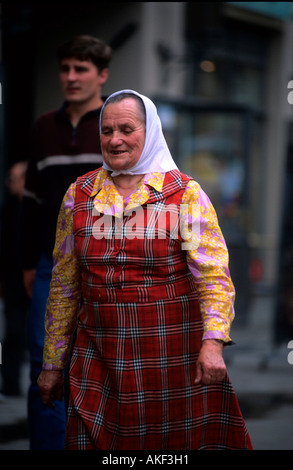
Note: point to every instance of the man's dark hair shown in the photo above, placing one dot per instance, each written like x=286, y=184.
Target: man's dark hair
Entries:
x=86, y=47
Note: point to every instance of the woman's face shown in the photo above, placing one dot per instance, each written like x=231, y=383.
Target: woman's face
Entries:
x=122, y=134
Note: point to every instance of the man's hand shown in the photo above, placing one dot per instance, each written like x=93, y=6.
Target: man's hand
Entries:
x=51, y=385
x=28, y=281
x=210, y=367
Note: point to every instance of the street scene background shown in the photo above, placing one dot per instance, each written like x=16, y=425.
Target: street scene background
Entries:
x=219, y=74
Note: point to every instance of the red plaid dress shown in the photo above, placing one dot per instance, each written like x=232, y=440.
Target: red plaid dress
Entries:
x=139, y=334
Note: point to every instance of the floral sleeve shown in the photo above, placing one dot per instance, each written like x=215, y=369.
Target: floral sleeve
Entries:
x=65, y=290
x=207, y=258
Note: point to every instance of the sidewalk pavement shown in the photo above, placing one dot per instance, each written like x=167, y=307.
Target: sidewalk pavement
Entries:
x=261, y=375
x=262, y=378
x=13, y=418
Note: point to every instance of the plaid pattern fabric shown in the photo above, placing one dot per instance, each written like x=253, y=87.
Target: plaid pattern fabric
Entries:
x=139, y=334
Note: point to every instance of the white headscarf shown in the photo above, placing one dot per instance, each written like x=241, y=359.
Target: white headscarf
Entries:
x=155, y=156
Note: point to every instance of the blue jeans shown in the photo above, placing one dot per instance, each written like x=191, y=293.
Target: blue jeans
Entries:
x=46, y=426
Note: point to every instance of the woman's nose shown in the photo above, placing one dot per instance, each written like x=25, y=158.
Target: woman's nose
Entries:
x=116, y=138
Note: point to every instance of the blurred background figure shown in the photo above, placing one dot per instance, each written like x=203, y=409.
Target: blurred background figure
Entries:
x=15, y=299
x=65, y=144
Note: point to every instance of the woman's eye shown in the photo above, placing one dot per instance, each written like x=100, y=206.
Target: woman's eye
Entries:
x=127, y=131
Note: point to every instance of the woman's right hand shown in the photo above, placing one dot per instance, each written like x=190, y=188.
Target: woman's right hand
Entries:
x=51, y=384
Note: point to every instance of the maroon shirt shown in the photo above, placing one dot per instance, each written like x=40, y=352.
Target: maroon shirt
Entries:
x=59, y=154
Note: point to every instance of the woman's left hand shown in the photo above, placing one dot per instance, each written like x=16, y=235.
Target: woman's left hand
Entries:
x=210, y=367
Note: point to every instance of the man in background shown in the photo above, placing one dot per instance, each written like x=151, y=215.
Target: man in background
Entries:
x=65, y=145
x=14, y=297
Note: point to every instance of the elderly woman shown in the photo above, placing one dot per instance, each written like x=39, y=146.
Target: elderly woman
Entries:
x=139, y=243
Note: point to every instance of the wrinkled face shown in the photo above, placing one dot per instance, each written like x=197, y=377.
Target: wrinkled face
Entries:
x=80, y=80
x=122, y=134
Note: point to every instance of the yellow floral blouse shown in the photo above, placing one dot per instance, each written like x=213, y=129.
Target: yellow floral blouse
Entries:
x=207, y=259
